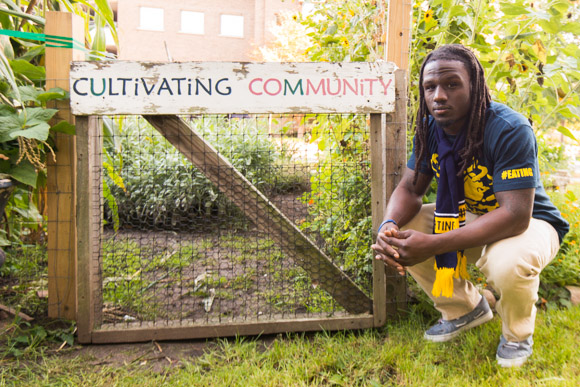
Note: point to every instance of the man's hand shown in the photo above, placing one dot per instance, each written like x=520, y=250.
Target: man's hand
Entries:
x=411, y=246
x=404, y=204
x=399, y=249
x=385, y=251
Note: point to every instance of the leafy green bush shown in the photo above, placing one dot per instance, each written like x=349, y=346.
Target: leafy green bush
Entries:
x=156, y=186
x=22, y=276
x=27, y=125
x=346, y=31
x=565, y=268
x=339, y=199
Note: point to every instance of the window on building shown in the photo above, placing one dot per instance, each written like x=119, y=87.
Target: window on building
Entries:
x=151, y=19
x=192, y=22
x=232, y=25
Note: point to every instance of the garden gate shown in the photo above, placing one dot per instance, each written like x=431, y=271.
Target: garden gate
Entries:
x=266, y=273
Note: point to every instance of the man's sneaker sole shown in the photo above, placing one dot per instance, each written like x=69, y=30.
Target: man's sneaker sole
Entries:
x=448, y=336
x=506, y=363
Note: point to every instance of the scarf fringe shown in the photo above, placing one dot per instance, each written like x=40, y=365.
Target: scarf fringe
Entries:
x=461, y=268
x=443, y=285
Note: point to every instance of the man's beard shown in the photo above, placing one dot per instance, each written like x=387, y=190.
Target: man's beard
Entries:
x=445, y=123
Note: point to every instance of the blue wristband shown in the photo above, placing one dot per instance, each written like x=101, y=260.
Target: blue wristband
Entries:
x=385, y=222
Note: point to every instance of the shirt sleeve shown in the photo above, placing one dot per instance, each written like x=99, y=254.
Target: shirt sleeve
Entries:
x=424, y=167
x=515, y=155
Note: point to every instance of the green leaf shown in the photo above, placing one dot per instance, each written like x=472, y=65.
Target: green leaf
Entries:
x=112, y=202
x=54, y=93
x=33, y=53
x=24, y=172
x=456, y=10
x=513, y=9
x=64, y=127
x=37, y=131
x=6, y=110
x=114, y=176
x=331, y=30
x=571, y=50
x=566, y=132
x=28, y=70
x=33, y=124
x=561, y=6
x=7, y=73
x=18, y=13
x=7, y=49
x=28, y=93
x=520, y=36
x=39, y=114
x=551, y=27
x=99, y=40
x=8, y=124
x=573, y=27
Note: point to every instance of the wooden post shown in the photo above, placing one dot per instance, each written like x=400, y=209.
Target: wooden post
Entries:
x=61, y=174
x=388, y=144
x=395, y=148
x=89, y=209
x=378, y=203
x=398, y=33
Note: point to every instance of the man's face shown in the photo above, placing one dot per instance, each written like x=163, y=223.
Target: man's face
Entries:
x=447, y=90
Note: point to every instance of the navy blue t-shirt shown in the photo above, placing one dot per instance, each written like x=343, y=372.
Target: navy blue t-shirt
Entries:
x=509, y=162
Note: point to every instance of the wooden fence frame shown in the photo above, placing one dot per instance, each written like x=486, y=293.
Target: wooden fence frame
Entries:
x=388, y=144
x=69, y=296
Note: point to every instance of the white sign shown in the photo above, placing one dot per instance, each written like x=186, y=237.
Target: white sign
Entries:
x=122, y=87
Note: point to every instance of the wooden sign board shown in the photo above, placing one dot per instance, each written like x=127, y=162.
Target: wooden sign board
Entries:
x=125, y=87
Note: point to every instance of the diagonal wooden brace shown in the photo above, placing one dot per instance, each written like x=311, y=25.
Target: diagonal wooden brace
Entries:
x=257, y=208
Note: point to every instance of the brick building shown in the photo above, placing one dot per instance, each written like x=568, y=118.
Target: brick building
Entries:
x=195, y=30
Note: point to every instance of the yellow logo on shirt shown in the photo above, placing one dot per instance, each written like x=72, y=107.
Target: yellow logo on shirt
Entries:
x=515, y=173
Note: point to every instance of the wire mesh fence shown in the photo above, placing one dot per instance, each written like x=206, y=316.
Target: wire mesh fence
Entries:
x=188, y=244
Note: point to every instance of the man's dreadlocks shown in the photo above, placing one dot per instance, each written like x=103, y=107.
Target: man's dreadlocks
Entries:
x=480, y=101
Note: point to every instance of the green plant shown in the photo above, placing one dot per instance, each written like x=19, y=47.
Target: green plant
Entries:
x=23, y=276
x=24, y=223
x=349, y=31
x=27, y=340
x=153, y=185
x=25, y=137
x=24, y=118
x=339, y=199
x=129, y=271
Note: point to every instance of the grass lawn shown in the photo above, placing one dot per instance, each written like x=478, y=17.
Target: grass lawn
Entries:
x=395, y=355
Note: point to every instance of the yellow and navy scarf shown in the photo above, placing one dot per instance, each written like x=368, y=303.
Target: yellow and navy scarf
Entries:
x=449, y=212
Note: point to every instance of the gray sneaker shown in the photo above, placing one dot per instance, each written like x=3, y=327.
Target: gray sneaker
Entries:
x=513, y=354
x=445, y=330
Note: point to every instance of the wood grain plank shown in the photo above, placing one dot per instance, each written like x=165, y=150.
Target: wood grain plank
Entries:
x=61, y=174
x=160, y=332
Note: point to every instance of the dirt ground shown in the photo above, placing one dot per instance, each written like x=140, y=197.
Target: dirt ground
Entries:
x=155, y=355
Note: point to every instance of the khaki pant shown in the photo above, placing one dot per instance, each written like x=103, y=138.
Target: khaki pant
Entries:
x=512, y=267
